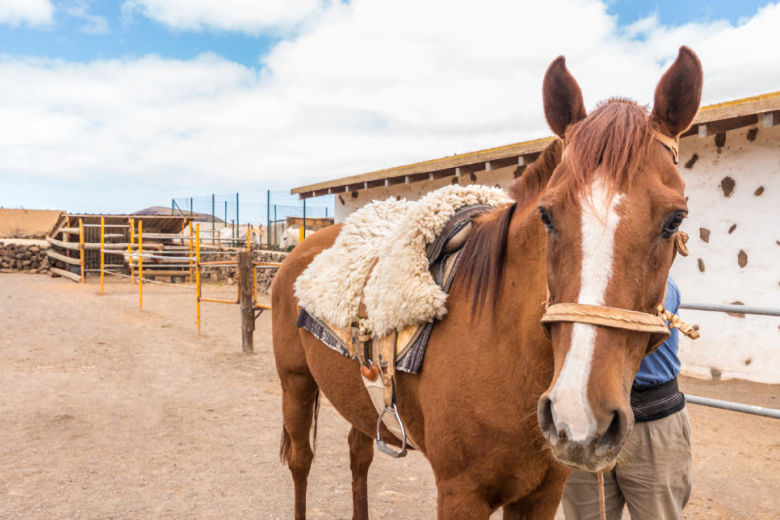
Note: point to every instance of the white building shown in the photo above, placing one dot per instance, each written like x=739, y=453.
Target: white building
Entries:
x=730, y=160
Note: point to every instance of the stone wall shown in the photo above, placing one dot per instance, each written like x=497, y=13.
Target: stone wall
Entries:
x=23, y=255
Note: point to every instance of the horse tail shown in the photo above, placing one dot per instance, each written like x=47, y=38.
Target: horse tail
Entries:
x=316, y=416
x=286, y=447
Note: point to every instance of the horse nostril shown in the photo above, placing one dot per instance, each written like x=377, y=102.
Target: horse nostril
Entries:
x=615, y=432
x=545, y=417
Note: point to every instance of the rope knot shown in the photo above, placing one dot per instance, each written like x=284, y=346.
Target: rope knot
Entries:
x=675, y=322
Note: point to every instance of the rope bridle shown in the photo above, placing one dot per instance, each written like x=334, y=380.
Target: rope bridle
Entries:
x=659, y=324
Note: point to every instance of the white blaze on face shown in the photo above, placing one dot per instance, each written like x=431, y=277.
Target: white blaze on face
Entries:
x=599, y=220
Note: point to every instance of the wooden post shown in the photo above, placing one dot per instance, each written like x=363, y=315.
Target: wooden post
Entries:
x=81, y=248
x=66, y=236
x=102, y=255
x=247, y=302
x=141, y=264
x=197, y=275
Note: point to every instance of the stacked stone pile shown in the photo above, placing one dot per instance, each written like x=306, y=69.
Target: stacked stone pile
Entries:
x=23, y=255
x=266, y=276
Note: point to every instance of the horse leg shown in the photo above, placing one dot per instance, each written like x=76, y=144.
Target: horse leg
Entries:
x=461, y=500
x=361, y=453
x=543, y=502
x=299, y=392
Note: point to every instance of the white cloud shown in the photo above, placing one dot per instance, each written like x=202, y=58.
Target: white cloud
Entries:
x=251, y=16
x=30, y=12
x=368, y=85
x=93, y=24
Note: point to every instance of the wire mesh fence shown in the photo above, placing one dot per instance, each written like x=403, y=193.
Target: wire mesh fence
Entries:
x=280, y=216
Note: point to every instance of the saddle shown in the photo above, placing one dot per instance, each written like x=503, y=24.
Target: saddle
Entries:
x=392, y=316
x=403, y=349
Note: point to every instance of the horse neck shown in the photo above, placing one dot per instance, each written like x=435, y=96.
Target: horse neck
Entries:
x=523, y=286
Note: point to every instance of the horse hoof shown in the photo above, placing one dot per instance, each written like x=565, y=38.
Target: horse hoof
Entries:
x=369, y=372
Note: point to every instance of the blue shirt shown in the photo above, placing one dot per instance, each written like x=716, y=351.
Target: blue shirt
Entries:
x=663, y=365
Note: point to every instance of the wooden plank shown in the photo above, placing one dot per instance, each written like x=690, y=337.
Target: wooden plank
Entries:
x=162, y=272
x=66, y=274
x=424, y=167
x=159, y=236
x=73, y=246
x=217, y=300
x=96, y=247
x=63, y=258
x=738, y=108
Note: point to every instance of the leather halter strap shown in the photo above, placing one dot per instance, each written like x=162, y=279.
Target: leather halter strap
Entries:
x=607, y=317
x=670, y=143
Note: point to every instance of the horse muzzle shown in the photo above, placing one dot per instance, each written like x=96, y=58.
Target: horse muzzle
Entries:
x=591, y=449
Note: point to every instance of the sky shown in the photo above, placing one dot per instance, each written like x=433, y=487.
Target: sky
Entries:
x=116, y=106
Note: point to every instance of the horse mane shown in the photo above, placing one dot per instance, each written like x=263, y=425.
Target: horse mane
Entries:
x=609, y=143
x=484, y=253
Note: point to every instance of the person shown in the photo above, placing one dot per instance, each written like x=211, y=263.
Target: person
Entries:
x=652, y=475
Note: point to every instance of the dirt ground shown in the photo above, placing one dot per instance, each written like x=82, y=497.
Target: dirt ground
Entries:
x=113, y=412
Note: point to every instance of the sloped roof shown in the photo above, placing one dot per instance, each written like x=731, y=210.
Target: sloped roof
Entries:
x=710, y=120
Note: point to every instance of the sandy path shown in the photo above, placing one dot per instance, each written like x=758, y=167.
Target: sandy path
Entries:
x=110, y=412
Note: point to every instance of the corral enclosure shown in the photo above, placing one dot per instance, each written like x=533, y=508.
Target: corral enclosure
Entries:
x=730, y=161
x=126, y=413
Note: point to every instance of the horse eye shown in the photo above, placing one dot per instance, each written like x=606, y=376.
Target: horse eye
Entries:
x=672, y=224
x=546, y=219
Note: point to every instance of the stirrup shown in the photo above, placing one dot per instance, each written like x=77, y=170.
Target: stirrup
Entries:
x=382, y=445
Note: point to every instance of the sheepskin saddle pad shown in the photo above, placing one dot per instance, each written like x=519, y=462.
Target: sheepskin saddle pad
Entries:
x=390, y=269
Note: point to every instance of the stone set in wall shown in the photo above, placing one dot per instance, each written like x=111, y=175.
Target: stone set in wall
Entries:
x=26, y=256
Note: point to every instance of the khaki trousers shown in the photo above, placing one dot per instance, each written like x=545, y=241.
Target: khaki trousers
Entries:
x=652, y=476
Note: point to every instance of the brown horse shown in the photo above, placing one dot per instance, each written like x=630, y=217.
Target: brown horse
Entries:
x=495, y=394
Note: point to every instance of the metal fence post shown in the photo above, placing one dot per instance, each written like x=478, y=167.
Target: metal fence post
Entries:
x=268, y=217
x=303, y=227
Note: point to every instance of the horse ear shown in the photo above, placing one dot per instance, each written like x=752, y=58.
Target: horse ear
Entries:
x=562, y=97
x=678, y=94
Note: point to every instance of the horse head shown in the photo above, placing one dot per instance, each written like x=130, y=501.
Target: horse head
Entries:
x=611, y=210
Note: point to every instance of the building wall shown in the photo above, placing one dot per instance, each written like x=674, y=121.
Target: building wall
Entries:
x=20, y=223
x=722, y=223
x=730, y=346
